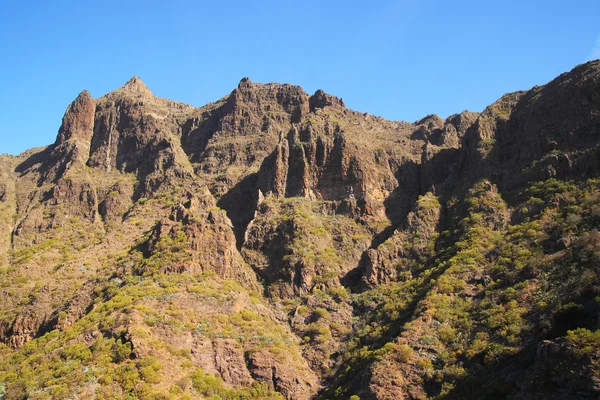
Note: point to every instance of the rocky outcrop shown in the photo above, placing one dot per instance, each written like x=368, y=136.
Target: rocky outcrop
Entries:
x=3, y=192
x=242, y=128
x=455, y=128
x=134, y=131
x=416, y=241
x=321, y=168
x=78, y=197
x=78, y=121
x=115, y=201
x=295, y=248
x=25, y=327
x=548, y=131
x=71, y=148
x=234, y=232
x=230, y=363
x=428, y=128
x=204, y=241
x=7, y=205
x=321, y=100
x=282, y=378
x=559, y=372
x=243, y=360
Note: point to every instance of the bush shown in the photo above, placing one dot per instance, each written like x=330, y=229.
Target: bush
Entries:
x=321, y=313
x=213, y=387
x=425, y=364
x=302, y=310
x=585, y=341
x=447, y=334
x=428, y=201
x=127, y=375
x=77, y=351
x=405, y=353
x=319, y=332
x=121, y=351
x=150, y=369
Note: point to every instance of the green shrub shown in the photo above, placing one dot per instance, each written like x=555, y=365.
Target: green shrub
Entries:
x=127, y=376
x=585, y=341
x=77, y=351
x=405, y=353
x=447, y=334
x=213, y=387
x=425, y=363
x=150, y=369
x=321, y=313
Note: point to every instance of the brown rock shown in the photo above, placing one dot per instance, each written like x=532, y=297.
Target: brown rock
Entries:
x=78, y=121
x=290, y=381
x=321, y=100
x=229, y=361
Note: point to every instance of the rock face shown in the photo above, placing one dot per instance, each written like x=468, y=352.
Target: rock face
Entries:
x=558, y=365
x=206, y=233
x=278, y=244
x=386, y=262
x=78, y=122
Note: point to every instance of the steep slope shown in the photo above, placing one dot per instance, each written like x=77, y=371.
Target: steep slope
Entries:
x=276, y=244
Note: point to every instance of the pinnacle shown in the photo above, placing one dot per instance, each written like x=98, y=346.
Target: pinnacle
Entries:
x=134, y=81
x=135, y=84
x=245, y=82
x=85, y=94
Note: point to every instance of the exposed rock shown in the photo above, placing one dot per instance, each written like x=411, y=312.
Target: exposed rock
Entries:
x=137, y=88
x=116, y=202
x=2, y=192
x=321, y=100
x=455, y=128
x=79, y=197
x=285, y=379
x=229, y=361
x=24, y=328
x=150, y=222
x=428, y=128
x=391, y=258
x=203, y=355
x=559, y=373
x=78, y=121
x=208, y=237
x=378, y=269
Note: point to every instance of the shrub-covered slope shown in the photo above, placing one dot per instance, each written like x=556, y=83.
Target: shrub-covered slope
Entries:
x=279, y=245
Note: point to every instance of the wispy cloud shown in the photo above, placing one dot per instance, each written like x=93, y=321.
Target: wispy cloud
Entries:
x=595, y=53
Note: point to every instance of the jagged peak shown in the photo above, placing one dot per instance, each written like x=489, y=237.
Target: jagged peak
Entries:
x=321, y=99
x=136, y=85
x=78, y=119
x=430, y=119
x=84, y=95
x=457, y=117
x=245, y=82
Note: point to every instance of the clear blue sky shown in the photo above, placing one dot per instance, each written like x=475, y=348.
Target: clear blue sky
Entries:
x=398, y=59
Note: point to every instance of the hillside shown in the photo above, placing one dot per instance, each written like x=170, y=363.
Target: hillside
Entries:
x=278, y=245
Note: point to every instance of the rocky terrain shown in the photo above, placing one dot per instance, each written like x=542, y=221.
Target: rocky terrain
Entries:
x=278, y=245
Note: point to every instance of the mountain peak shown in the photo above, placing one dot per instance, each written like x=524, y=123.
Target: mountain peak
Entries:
x=78, y=120
x=84, y=95
x=242, y=226
x=245, y=82
x=321, y=99
x=136, y=85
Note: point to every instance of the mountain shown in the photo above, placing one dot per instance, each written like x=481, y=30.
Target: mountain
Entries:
x=278, y=245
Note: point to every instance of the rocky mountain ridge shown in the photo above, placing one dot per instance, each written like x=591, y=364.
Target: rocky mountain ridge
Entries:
x=277, y=244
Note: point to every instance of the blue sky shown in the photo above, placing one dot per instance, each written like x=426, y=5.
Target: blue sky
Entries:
x=398, y=59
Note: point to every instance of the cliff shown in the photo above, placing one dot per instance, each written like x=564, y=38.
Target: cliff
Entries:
x=276, y=244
